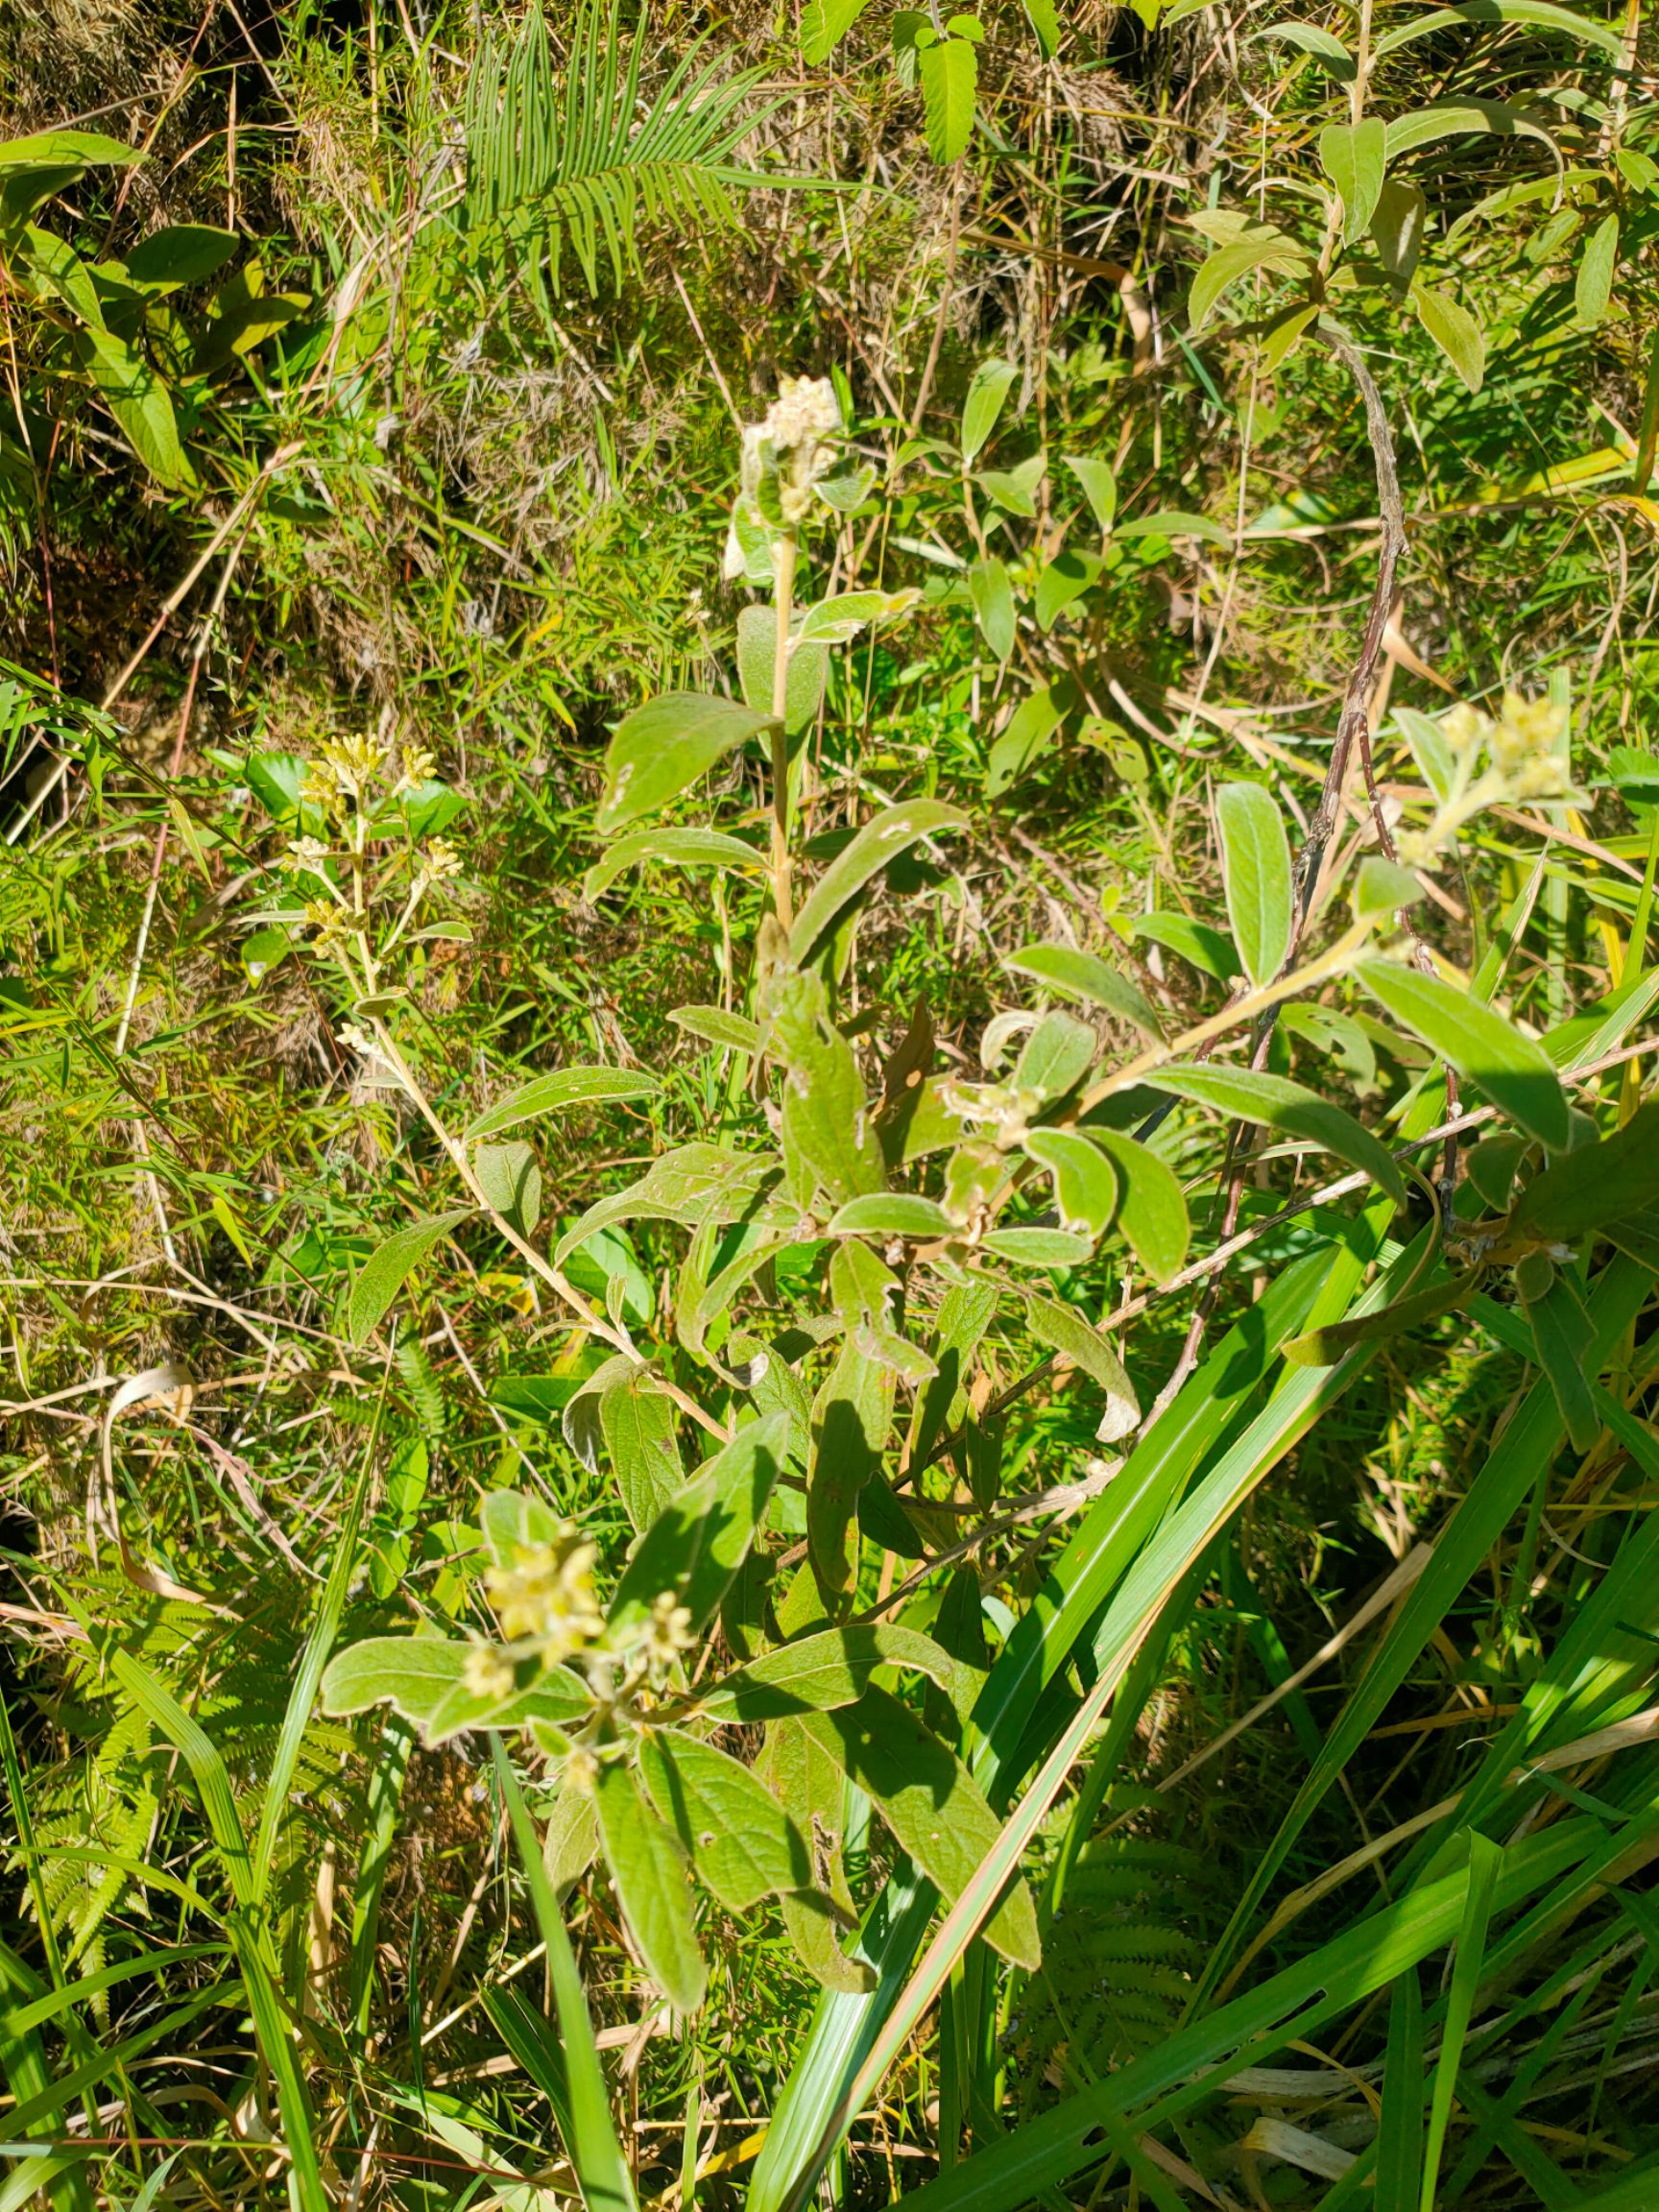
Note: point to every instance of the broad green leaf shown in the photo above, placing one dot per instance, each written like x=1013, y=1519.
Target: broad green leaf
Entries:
x=559, y=1092
x=742, y=1842
x=1249, y=1094
x=993, y=598
x=1151, y=1212
x=1256, y=861
x=1384, y=887
x=697, y=1543
x=60, y=148
x=513, y=1521
x=757, y=658
x=1060, y=582
x=881, y=840
x=509, y=1177
x=1197, y=942
x=1593, y=285
x=835, y=621
x=1067, y=1331
x=1463, y=116
x=1057, y=1055
x=1537, y=12
x=851, y=1415
x=673, y=849
x=136, y=394
x=1437, y=762
x=1045, y=1248
x=1043, y=17
x=891, y=1213
x=1515, y=1072
x=1086, y=976
x=986, y=394
x=825, y=23
x=1455, y=330
x=1174, y=522
x=815, y=1931
x=383, y=1273
x=648, y=1867
x=1084, y=1180
x=1015, y=488
x=180, y=254
x=660, y=749
x=554, y=1698
x=1099, y=482
x=948, y=73
x=411, y=1672
x=641, y=1437
x=1325, y=47
x=829, y=1140
x=423, y=1678
x=1354, y=156
x=932, y=1803
x=1029, y=732
x=1397, y=230
x=1261, y=248
x=732, y=1032
x=818, y=1673
x=1595, y=1184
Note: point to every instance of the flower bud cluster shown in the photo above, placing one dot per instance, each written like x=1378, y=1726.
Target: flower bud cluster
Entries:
x=786, y=457
x=1511, y=758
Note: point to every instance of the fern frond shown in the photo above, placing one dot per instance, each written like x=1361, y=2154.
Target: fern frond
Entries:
x=583, y=172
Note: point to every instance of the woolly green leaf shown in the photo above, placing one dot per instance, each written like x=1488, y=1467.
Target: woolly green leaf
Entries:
x=1455, y=330
x=742, y=1842
x=1595, y=1184
x=993, y=596
x=1086, y=976
x=1354, y=156
x=383, y=1273
x=892, y=831
x=674, y=848
x=821, y=1672
x=560, y=1091
x=733, y=1032
x=697, y=1543
x=932, y=1803
x=660, y=749
x=648, y=1867
x=1515, y=1072
x=1593, y=286
x=757, y=659
x=828, y=1137
x=1261, y=248
x=1066, y=1330
x=1256, y=860
x=639, y=1426
x=1249, y=1094
x=1085, y=1182
x=1151, y=1212
x=1099, y=482
x=891, y=1213
x=985, y=393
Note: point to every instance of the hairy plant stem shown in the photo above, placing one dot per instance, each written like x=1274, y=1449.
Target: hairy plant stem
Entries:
x=783, y=552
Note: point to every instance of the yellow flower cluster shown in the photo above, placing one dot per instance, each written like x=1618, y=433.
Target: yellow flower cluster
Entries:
x=1514, y=756
x=544, y=1600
